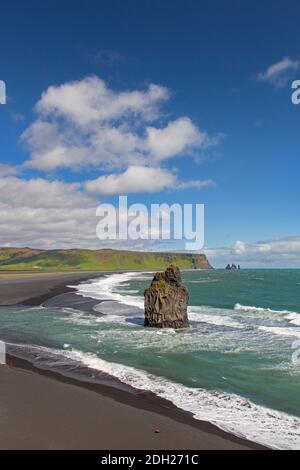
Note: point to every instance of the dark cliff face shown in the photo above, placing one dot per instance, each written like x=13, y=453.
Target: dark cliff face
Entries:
x=166, y=300
x=201, y=262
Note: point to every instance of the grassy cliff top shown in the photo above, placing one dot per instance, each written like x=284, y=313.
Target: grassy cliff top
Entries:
x=106, y=260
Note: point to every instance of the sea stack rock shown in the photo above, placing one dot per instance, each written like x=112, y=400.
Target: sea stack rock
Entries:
x=166, y=300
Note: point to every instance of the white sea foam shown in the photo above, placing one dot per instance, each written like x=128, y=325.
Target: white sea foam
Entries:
x=276, y=330
x=294, y=318
x=84, y=319
x=291, y=317
x=209, y=315
x=229, y=412
x=250, y=308
x=105, y=288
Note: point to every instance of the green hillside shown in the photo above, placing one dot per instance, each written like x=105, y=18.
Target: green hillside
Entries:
x=107, y=260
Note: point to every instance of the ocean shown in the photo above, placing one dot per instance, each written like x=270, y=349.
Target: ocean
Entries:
x=237, y=366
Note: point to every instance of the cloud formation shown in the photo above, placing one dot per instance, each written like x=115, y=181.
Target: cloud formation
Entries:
x=277, y=252
x=51, y=214
x=44, y=214
x=6, y=170
x=85, y=123
x=82, y=125
x=279, y=73
x=135, y=179
x=142, y=179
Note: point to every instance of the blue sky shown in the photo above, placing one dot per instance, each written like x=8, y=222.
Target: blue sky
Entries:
x=216, y=74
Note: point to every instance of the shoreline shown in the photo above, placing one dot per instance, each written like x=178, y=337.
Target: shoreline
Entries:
x=141, y=403
x=34, y=290
x=207, y=435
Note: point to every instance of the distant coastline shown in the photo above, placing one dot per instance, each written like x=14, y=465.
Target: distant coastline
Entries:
x=92, y=260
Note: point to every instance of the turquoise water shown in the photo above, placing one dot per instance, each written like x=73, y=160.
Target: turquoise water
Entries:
x=237, y=366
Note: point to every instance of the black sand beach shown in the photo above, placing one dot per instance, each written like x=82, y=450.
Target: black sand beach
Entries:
x=45, y=410
x=22, y=287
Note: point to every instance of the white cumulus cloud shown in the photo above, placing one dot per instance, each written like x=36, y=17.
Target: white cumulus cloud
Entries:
x=85, y=123
x=279, y=73
x=175, y=138
x=142, y=179
x=136, y=179
x=41, y=213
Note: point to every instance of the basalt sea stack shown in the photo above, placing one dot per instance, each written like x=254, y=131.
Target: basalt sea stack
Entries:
x=166, y=300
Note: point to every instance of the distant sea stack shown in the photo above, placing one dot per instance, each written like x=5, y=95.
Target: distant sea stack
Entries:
x=233, y=267
x=166, y=300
